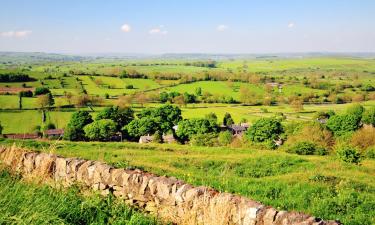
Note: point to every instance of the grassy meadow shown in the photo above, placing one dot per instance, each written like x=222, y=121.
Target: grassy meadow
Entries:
x=319, y=185
x=26, y=202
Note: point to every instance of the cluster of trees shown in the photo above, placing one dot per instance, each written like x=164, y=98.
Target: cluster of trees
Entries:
x=15, y=77
x=122, y=121
x=209, y=64
x=178, y=98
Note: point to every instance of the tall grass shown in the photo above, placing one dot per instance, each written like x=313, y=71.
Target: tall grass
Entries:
x=30, y=203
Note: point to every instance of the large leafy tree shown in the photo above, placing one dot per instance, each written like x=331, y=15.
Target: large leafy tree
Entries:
x=74, y=131
x=100, y=130
x=167, y=116
x=190, y=127
x=265, y=129
x=121, y=116
x=140, y=127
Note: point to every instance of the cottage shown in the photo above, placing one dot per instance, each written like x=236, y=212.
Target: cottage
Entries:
x=237, y=129
x=166, y=139
x=54, y=133
x=145, y=139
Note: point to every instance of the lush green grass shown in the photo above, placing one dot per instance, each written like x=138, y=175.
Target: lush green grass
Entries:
x=16, y=121
x=327, y=63
x=31, y=203
x=320, y=185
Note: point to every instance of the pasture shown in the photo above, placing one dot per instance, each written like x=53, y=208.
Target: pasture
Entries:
x=320, y=185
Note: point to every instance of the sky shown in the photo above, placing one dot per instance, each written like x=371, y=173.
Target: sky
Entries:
x=187, y=26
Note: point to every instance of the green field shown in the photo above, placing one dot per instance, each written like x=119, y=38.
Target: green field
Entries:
x=320, y=185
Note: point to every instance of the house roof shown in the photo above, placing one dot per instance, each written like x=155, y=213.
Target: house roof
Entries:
x=238, y=128
x=54, y=132
x=21, y=136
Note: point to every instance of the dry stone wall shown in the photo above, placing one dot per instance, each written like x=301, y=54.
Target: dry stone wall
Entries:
x=168, y=198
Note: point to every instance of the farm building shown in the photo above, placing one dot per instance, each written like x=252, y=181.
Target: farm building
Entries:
x=54, y=133
x=21, y=136
x=147, y=139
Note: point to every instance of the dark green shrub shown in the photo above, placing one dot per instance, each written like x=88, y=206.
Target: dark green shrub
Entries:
x=307, y=148
x=129, y=86
x=225, y=138
x=370, y=153
x=41, y=91
x=303, y=148
x=349, y=154
x=369, y=116
x=207, y=139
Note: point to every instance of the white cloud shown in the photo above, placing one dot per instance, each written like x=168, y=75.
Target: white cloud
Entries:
x=291, y=25
x=16, y=34
x=126, y=28
x=222, y=27
x=158, y=30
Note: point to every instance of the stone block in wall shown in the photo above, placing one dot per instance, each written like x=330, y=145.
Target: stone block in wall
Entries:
x=29, y=162
x=44, y=165
x=83, y=173
x=72, y=167
x=61, y=169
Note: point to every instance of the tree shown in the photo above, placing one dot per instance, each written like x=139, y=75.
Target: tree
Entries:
x=124, y=101
x=189, y=127
x=211, y=116
x=297, y=104
x=166, y=117
x=141, y=127
x=265, y=129
x=42, y=101
x=121, y=116
x=369, y=116
x=74, y=130
x=189, y=98
x=20, y=100
x=51, y=100
x=179, y=100
x=227, y=120
x=41, y=91
x=100, y=130
x=141, y=98
x=198, y=91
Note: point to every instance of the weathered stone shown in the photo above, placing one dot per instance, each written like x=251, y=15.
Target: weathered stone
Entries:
x=82, y=171
x=60, y=171
x=28, y=162
x=116, y=176
x=180, y=192
x=251, y=215
x=151, y=207
x=99, y=186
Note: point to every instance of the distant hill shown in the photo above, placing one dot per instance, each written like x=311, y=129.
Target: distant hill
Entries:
x=36, y=57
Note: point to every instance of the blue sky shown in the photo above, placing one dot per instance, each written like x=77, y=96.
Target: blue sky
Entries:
x=189, y=26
